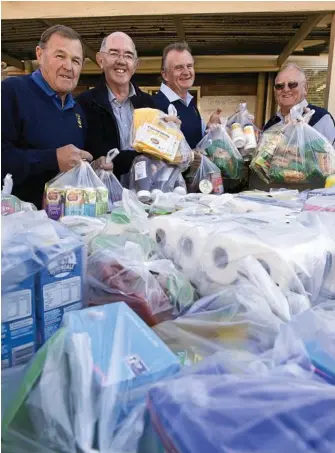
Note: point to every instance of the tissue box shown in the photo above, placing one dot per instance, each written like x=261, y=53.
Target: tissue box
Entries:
x=59, y=289
x=18, y=329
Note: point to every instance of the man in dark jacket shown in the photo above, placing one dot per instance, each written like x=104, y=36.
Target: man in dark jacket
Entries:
x=43, y=129
x=109, y=106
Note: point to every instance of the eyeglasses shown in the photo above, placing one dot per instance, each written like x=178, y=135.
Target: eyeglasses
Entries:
x=113, y=55
x=291, y=85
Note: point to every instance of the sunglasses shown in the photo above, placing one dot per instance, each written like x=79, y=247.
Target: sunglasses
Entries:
x=281, y=86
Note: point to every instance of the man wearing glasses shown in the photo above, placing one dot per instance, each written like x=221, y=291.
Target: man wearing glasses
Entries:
x=291, y=89
x=109, y=106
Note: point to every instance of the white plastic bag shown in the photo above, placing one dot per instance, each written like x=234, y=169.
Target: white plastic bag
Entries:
x=76, y=192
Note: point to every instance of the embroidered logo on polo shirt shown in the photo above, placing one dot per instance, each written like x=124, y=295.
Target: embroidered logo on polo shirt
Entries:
x=79, y=120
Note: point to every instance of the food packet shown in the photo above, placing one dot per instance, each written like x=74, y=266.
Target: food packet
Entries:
x=158, y=138
x=76, y=192
x=293, y=152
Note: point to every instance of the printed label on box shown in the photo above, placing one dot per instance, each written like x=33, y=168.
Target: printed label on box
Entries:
x=18, y=329
x=62, y=293
x=16, y=305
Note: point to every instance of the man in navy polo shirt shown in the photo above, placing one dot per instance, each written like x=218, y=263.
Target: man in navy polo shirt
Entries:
x=43, y=129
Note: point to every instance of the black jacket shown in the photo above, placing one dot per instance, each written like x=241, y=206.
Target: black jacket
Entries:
x=103, y=133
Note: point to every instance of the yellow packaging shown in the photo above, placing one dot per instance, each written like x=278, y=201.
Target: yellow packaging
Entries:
x=154, y=136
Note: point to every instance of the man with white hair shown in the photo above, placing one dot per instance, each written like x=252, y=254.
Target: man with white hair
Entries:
x=291, y=89
x=109, y=106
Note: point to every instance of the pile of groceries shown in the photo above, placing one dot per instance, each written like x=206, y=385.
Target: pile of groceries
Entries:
x=171, y=317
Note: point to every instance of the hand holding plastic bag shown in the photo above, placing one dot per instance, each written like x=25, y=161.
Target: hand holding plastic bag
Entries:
x=110, y=181
x=161, y=139
x=294, y=152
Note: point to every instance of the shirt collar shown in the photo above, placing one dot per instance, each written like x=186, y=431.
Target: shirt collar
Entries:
x=112, y=97
x=42, y=83
x=302, y=105
x=172, y=96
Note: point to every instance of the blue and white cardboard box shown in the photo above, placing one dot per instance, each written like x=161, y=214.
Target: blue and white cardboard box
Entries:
x=59, y=289
x=18, y=326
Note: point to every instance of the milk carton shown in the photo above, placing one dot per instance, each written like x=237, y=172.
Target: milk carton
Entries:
x=18, y=329
x=59, y=289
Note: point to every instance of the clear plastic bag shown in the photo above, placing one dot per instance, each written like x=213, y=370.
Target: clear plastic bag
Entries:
x=294, y=152
x=160, y=139
x=310, y=340
x=152, y=287
x=249, y=414
x=220, y=148
x=99, y=365
x=87, y=228
x=43, y=276
x=206, y=178
x=320, y=204
x=150, y=177
x=243, y=131
x=108, y=178
x=11, y=204
x=76, y=192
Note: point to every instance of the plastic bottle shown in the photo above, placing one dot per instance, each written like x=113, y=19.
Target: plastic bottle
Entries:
x=250, y=138
x=238, y=135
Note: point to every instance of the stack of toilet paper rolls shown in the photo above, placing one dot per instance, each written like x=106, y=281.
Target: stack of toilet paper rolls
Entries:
x=210, y=253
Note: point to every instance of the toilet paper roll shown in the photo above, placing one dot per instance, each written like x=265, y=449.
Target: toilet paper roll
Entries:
x=221, y=256
x=221, y=259
x=166, y=231
x=190, y=247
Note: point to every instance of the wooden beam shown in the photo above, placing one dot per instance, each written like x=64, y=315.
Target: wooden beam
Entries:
x=178, y=22
x=330, y=87
x=12, y=61
x=259, y=117
x=298, y=38
x=89, y=52
x=44, y=9
x=269, y=97
x=28, y=66
x=216, y=64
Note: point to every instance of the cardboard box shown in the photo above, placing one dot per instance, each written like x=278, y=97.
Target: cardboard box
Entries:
x=59, y=289
x=18, y=324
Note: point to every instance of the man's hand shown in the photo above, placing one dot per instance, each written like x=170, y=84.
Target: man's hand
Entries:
x=69, y=156
x=197, y=160
x=215, y=117
x=173, y=119
x=101, y=164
